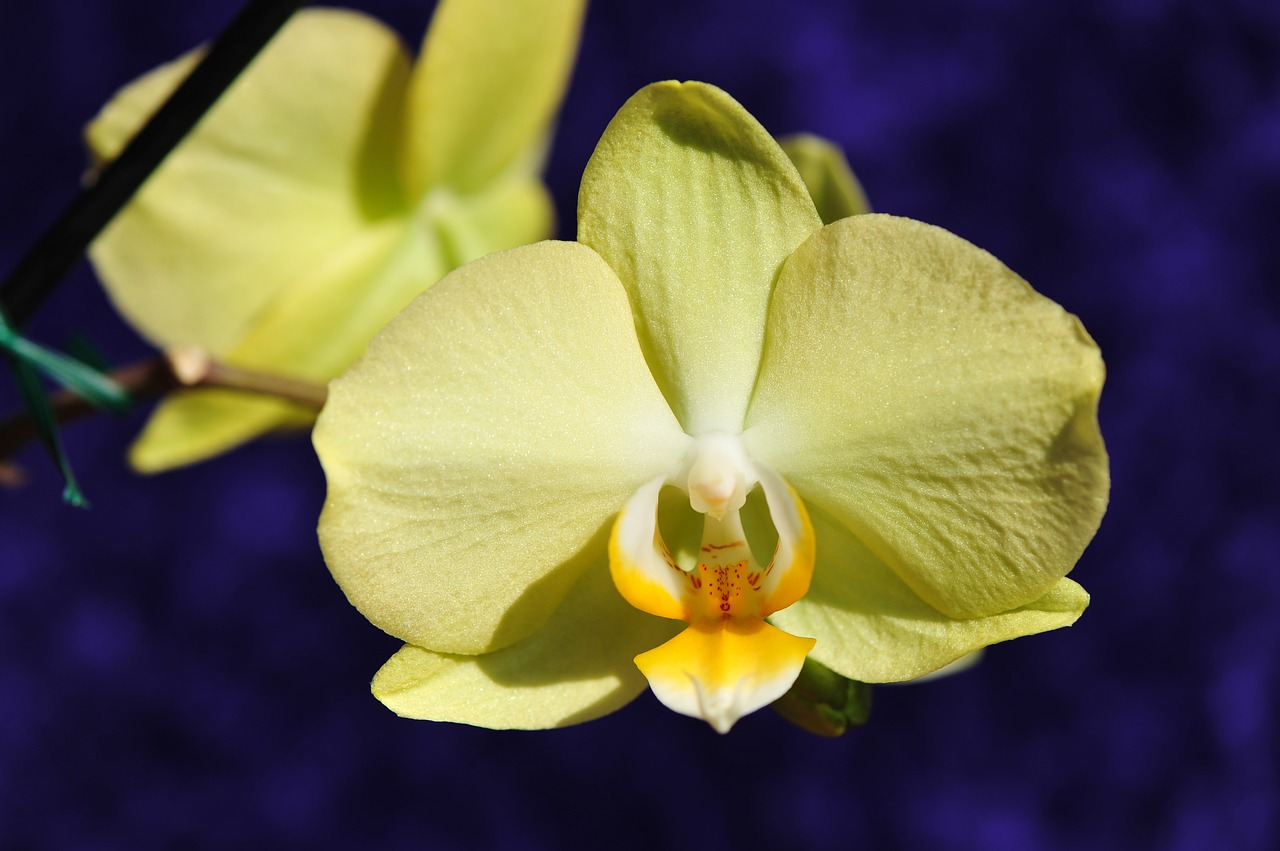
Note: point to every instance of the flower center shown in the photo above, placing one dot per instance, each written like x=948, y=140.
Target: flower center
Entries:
x=729, y=661
x=726, y=582
x=727, y=579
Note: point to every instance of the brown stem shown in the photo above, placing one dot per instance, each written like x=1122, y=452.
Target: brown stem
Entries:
x=181, y=368
x=194, y=367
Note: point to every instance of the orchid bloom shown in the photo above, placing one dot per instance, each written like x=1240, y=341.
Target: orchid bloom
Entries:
x=329, y=186
x=712, y=436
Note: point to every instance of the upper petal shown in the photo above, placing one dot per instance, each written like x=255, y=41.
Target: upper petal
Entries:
x=477, y=452
x=937, y=407
x=871, y=627
x=296, y=158
x=491, y=75
x=695, y=207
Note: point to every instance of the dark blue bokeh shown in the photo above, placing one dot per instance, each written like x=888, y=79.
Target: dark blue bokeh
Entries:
x=177, y=669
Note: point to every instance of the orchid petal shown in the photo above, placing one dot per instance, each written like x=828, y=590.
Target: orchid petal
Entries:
x=967, y=661
x=192, y=425
x=490, y=78
x=296, y=157
x=724, y=669
x=695, y=207
x=833, y=186
x=478, y=451
x=131, y=107
x=872, y=627
x=938, y=408
x=311, y=331
x=578, y=666
x=505, y=215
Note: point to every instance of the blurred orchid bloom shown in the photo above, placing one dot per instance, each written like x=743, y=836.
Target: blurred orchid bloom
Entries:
x=835, y=190
x=331, y=184
x=713, y=436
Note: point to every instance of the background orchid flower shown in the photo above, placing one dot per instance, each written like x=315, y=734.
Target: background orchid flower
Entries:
x=872, y=434
x=834, y=188
x=332, y=183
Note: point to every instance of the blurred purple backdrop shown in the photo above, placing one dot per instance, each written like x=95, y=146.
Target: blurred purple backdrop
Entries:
x=177, y=669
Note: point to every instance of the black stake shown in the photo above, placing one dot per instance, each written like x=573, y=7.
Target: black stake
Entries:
x=53, y=255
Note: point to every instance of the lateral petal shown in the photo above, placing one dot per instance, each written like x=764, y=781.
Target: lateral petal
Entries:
x=871, y=626
x=937, y=407
x=695, y=207
x=577, y=667
x=477, y=452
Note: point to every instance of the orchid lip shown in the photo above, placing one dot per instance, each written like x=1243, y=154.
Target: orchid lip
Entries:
x=729, y=662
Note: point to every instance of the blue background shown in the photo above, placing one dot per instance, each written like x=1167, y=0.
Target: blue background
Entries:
x=178, y=669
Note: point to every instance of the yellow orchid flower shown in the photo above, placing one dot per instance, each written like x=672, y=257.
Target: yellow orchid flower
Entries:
x=331, y=184
x=712, y=436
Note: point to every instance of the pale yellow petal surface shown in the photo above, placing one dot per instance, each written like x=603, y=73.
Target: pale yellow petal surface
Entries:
x=490, y=78
x=824, y=169
x=129, y=109
x=508, y=214
x=871, y=627
x=695, y=207
x=578, y=666
x=478, y=452
x=316, y=330
x=938, y=408
x=294, y=160
x=959, y=666
x=193, y=425
x=311, y=331
x=724, y=669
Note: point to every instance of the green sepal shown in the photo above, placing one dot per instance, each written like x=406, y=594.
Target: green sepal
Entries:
x=823, y=702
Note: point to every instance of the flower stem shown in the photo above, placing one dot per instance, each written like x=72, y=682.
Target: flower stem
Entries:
x=182, y=368
x=47, y=262
x=191, y=366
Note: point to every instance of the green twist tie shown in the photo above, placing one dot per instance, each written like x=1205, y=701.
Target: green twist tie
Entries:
x=27, y=360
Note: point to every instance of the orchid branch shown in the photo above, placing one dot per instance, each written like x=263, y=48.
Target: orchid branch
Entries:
x=181, y=368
